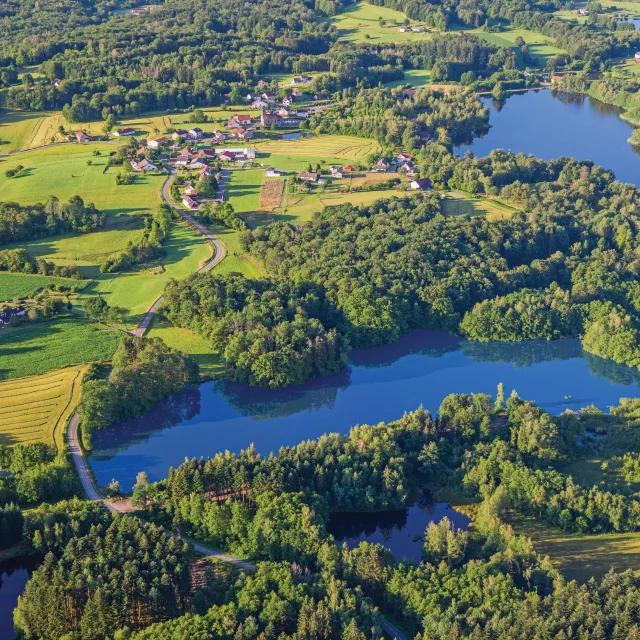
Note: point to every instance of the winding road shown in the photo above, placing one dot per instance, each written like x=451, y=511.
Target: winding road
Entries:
x=219, y=250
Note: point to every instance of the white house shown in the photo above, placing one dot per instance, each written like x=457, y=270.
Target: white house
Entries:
x=143, y=165
x=423, y=184
x=196, y=133
x=154, y=144
x=127, y=131
x=246, y=152
x=272, y=173
x=183, y=161
x=190, y=203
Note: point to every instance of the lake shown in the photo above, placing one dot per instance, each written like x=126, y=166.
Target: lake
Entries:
x=379, y=385
x=401, y=531
x=14, y=575
x=550, y=125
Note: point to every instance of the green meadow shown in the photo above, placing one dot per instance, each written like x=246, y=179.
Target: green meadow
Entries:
x=39, y=347
x=14, y=286
x=235, y=260
x=243, y=189
x=63, y=171
x=415, y=77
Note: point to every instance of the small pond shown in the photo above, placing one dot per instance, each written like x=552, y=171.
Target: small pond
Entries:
x=401, y=531
x=14, y=575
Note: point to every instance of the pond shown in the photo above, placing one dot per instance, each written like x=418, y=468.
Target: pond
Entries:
x=14, y=575
x=401, y=531
x=550, y=125
x=379, y=385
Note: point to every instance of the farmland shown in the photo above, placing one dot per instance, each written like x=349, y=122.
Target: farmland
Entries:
x=39, y=347
x=271, y=194
x=136, y=291
x=243, y=190
x=64, y=171
x=295, y=155
x=458, y=204
x=35, y=409
x=360, y=22
x=14, y=286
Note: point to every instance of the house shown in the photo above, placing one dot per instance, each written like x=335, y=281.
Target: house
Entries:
x=218, y=135
x=583, y=11
x=197, y=164
x=143, y=165
x=196, y=133
x=336, y=172
x=187, y=151
x=296, y=93
x=305, y=78
x=288, y=101
x=409, y=93
x=283, y=112
x=7, y=314
x=403, y=29
x=190, y=203
x=424, y=184
x=189, y=189
x=382, y=165
x=81, y=136
x=157, y=142
x=322, y=181
x=246, y=152
x=206, y=154
x=182, y=161
x=418, y=29
x=300, y=80
x=349, y=168
x=56, y=82
x=241, y=134
x=269, y=96
x=238, y=120
x=320, y=96
x=205, y=172
x=259, y=104
x=267, y=119
x=555, y=79
x=403, y=158
x=272, y=173
x=302, y=113
x=261, y=83
x=179, y=134
x=127, y=131
x=309, y=176
x=227, y=156
x=409, y=168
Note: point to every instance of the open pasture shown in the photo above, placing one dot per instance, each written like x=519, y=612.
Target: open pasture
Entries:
x=39, y=347
x=64, y=171
x=457, y=204
x=36, y=408
x=16, y=286
x=243, y=189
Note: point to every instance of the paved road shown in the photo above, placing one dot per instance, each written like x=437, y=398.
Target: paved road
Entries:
x=219, y=250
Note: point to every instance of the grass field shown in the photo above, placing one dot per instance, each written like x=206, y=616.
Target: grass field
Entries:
x=39, y=347
x=183, y=340
x=35, y=409
x=541, y=47
x=63, y=171
x=359, y=20
x=243, y=190
x=296, y=155
x=136, y=291
x=579, y=556
x=19, y=129
x=415, y=77
x=457, y=204
x=235, y=260
x=14, y=286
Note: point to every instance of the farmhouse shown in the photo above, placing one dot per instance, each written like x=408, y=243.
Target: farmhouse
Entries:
x=259, y=104
x=246, y=152
x=178, y=134
x=403, y=158
x=207, y=154
x=205, y=172
x=302, y=79
x=183, y=160
x=272, y=173
x=241, y=134
x=238, y=120
x=81, y=136
x=196, y=133
x=349, y=168
x=268, y=96
x=190, y=189
x=302, y=113
x=227, y=156
x=382, y=165
x=143, y=165
x=336, y=172
x=127, y=131
x=287, y=102
x=7, y=314
x=154, y=144
x=309, y=176
x=423, y=184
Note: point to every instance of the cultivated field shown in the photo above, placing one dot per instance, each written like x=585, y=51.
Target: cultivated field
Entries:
x=35, y=409
x=19, y=129
x=243, y=189
x=63, y=171
x=271, y=194
x=15, y=286
x=360, y=20
x=296, y=155
x=39, y=347
x=580, y=556
x=136, y=291
x=189, y=343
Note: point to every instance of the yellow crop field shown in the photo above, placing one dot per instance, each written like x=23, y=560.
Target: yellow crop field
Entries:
x=271, y=194
x=35, y=409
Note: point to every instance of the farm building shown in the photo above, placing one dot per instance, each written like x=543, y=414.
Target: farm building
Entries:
x=81, y=136
x=423, y=184
x=154, y=144
x=309, y=176
x=7, y=314
x=143, y=165
x=272, y=173
x=245, y=152
x=127, y=131
x=196, y=133
x=190, y=203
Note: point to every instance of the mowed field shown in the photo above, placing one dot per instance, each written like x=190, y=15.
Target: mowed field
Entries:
x=243, y=189
x=62, y=171
x=36, y=409
x=40, y=347
x=415, y=77
x=296, y=155
x=580, y=557
x=359, y=20
x=16, y=286
x=136, y=291
x=235, y=261
x=458, y=204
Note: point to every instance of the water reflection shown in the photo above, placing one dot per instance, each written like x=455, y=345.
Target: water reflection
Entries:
x=14, y=575
x=379, y=385
x=400, y=531
x=554, y=124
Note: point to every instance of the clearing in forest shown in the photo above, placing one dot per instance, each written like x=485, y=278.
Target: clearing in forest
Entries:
x=35, y=409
